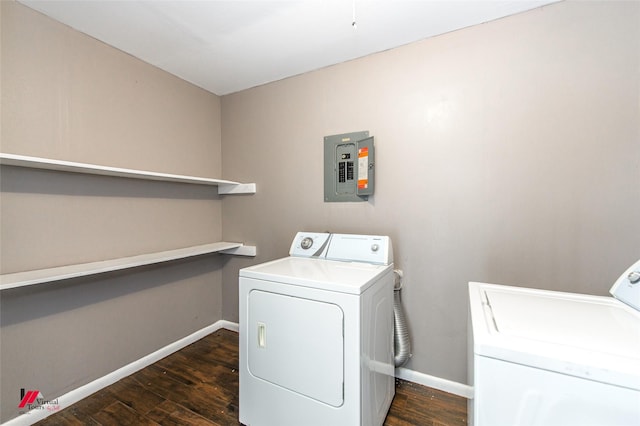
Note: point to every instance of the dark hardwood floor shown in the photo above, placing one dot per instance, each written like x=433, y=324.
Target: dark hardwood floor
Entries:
x=198, y=385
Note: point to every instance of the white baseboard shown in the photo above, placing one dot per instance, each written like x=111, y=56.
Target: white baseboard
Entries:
x=82, y=392
x=233, y=326
x=435, y=382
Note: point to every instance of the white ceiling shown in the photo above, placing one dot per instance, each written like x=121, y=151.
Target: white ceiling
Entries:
x=228, y=46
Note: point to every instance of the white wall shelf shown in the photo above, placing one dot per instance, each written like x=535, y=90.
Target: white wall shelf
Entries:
x=40, y=276
x=224, y=186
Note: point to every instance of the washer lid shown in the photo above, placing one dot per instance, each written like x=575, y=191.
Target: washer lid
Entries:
x=594, y=325
x=594, y=337
x=344, y=277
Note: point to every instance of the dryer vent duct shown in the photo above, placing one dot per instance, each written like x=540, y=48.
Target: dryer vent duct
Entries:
x=402, y=345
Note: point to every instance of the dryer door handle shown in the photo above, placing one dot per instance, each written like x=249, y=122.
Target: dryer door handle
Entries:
x=262, y=335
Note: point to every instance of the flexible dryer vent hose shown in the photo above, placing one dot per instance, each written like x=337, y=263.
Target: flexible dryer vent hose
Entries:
x=402, y=345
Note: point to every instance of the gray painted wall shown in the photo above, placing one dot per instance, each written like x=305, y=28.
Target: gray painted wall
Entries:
x=70, y=97
x=507, y=152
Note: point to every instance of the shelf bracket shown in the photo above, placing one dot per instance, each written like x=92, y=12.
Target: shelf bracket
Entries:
x=239, y=188
x=241, y=251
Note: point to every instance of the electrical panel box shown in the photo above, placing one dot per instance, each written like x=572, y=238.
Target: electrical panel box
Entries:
x=348, y=167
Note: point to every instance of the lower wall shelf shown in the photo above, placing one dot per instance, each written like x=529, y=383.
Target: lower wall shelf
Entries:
x=41, y=276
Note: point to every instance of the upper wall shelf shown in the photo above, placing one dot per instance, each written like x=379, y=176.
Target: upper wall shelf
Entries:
x=224, y=186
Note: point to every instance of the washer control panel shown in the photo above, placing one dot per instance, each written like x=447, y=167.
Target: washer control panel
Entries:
x=374, y=249
x=627, y=287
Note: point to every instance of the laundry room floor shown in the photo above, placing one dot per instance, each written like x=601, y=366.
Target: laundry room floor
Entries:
x=198, y=385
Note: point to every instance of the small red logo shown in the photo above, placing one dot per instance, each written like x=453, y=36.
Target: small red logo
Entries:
x=28, y=398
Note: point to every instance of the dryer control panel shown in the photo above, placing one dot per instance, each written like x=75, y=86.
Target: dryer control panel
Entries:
x=375, y=249
x=627, y=288
x=310, y=244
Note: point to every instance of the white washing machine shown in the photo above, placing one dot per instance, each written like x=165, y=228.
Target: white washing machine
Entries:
x=316, y=334
x=550, y=358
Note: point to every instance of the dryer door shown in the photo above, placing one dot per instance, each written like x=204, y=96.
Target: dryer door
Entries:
x=297, y=344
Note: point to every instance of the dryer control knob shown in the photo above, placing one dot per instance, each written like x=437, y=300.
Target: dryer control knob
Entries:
x=634, y=277
x=306, y=243
x=375, y=247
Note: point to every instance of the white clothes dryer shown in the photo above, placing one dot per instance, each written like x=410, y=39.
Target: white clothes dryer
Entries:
x=316, y=334
x=550, y=358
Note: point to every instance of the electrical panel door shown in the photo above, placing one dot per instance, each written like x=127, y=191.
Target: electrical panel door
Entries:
x=348, y=167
